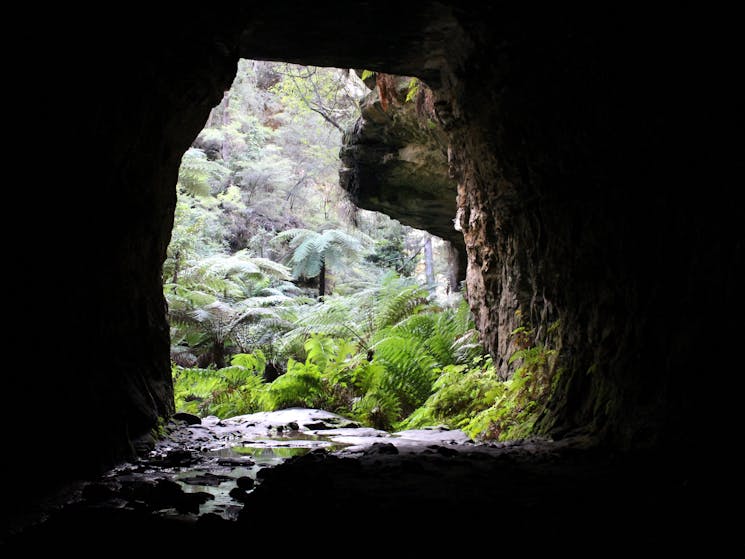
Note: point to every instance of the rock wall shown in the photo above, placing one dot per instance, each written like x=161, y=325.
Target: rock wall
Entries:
x=94, y=373
x=395, y=161
x=578, y=154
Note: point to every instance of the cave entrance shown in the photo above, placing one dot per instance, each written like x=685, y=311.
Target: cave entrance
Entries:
x=282, y=293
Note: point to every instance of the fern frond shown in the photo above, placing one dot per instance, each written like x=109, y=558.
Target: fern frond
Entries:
x=224, y=392
x=379, y=408
x=180, y=297
x=307, y=259
x=300, y=386
x=214, y=311
x=393, y=308
x=288, y=235
x=341, y=239
x=269, y=300
x=265, y=265
x=223, y=265
x=410, y=371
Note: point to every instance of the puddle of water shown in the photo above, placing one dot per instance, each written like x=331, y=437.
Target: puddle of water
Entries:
x=222, y=504
x=267, y=452
x=293, y=436
x=270, y=455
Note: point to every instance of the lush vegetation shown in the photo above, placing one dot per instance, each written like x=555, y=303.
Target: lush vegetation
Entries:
x=280, y=293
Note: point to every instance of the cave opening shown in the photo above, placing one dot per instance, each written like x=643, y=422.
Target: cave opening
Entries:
x=273, y=273
x=578, y=155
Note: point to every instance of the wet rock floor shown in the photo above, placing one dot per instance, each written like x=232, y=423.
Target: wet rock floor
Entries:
x=302, y=478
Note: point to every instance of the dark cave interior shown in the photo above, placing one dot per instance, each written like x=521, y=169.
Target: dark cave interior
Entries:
x=592, y=167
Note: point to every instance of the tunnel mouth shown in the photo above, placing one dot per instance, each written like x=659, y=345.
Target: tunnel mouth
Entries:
x=383, y=367
x=570, y=147
x=175, y=473
x=283, y=293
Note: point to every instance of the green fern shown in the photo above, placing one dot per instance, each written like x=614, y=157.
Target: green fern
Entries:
x=336, y=317
x=224, y=392
x=516, y=411
x=460, y=393
x=313, y=252
x=229, y=273
x=385, y=356
x=406, y=301
x=379, y=408
x=320, y=351
x=228, y=299
x=255, y=362
x=410, y=371
x=300, y=386
x=421, y=417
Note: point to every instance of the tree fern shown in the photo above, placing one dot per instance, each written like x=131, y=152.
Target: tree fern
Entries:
x=335, y=317
x=180, y=298
x=312, y=252
x=220, y=322
x=356, y=316
x=217, y=295
x=224, y=273
x=266, y=266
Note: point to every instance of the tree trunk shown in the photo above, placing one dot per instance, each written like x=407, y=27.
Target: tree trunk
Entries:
x=453, y=256
x=176, y=267
x=429, y=266
x=322, y=280
x=218, y=354
x=224, y=145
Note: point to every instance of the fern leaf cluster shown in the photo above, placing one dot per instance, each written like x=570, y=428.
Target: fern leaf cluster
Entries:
x=472, y=397
x=385, y=356
x=514, y=413
x=300, y=386
x=225, y=392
